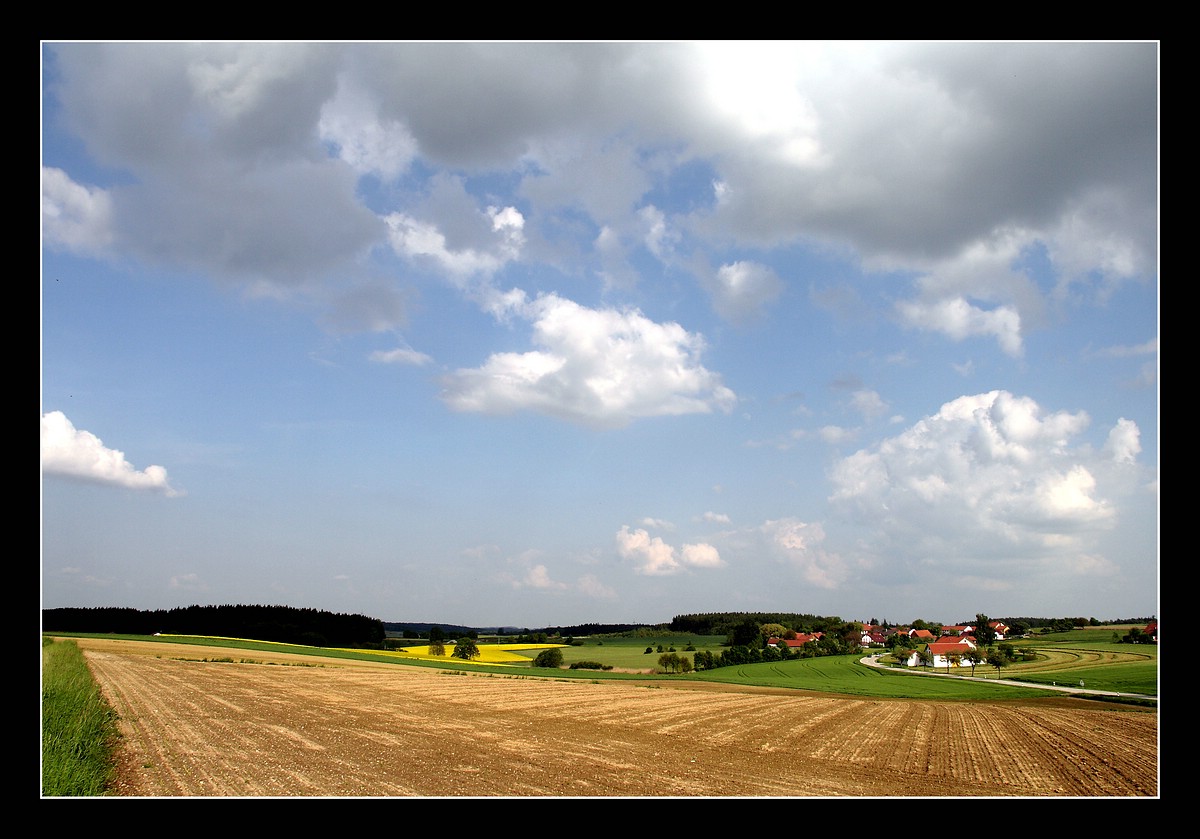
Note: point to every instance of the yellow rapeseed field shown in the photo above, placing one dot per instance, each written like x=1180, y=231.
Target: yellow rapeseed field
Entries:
x=488, y=653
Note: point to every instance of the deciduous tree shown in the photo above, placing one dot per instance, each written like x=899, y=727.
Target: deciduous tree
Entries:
x=466, y=649
x=552, y=657
x=985, y=635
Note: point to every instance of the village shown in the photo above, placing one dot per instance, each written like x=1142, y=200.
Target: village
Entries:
x=950, y=646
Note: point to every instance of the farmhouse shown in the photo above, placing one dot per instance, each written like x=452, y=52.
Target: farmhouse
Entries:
x=942, y=649
x=799, y=641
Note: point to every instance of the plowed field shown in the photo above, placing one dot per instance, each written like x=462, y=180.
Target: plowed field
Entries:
x=196, y=728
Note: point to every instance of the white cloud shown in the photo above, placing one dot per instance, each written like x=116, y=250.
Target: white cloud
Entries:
x=1148, y=348
x=975, y=168
x=716, y=518
x=74, y=217
x=660, y=240
x=654, y=557
x=401, y=355
x=79, y=454
x=1123, y=444
x=369, y=144
x=988, y=476
x=538, y=576
x=700, y=556
x=591, y=586
x=959, y=320
x=869, y=403
x=741, y=290
x=597, y=367
x=836, y=435
x=415, y=239
x=800, y=544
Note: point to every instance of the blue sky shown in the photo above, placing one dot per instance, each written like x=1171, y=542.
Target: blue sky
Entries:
x=544, y=334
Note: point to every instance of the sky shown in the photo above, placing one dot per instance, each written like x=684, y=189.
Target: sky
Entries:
x=543, y=334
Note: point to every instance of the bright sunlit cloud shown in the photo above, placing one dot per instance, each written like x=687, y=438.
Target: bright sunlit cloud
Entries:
x=73, y=453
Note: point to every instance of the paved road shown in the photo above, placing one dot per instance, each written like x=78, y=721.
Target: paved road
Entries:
x=873, y=661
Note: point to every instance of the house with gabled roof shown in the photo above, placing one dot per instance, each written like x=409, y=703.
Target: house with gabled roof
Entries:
x=943, y=648
x=1152, y=630
x=1001, y=629
x=921, y=634
x=799, y=641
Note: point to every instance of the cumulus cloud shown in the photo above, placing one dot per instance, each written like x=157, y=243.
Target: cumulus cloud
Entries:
x=471, y=242
x=959, y=320
x=597, y=367
x=253, y=169
x=869, y=403
x=799, y=543
x=988, y=476
x=74, y=453
x=75, y=217
x=538, y=576
x=654, y=557
x=1124, y=441
x=591, y=586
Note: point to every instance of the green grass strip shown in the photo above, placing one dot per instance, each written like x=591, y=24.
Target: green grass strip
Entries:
x=79, y=730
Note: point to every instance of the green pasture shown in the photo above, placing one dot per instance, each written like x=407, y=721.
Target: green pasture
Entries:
x=1124, y=668
x=1131, y=677
x=845, y=675
x=630, y=653
x=1090, y=634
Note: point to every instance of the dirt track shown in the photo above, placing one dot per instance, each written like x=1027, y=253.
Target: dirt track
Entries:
x=194, y=728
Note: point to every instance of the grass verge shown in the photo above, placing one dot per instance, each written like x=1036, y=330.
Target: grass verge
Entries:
x=79, y=730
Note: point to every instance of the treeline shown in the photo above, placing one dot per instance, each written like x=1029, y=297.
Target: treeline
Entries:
x=724, y=623
x=591, y=629
x=285, y=624
x=830, y=644
x=1067, y=624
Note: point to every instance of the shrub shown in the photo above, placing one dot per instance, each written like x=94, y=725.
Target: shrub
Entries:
x=552, y=657
x=589, y=665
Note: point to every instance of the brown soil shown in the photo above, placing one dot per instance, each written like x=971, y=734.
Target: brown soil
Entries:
x=204, y=728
